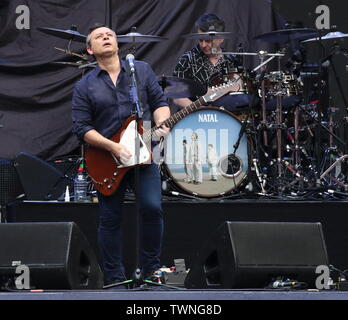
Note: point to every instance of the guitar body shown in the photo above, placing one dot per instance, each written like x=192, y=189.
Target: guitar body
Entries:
x=105, y=169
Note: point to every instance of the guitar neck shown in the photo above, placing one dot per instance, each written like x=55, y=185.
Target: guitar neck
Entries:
x=176, y=117
x=211, y=95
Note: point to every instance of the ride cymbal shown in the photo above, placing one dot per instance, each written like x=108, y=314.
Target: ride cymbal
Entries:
x=70, y=34
x=330, y=36
x=138, y=37
x=287, y=35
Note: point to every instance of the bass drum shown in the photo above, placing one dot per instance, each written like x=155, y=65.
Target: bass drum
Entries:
x=199, y=155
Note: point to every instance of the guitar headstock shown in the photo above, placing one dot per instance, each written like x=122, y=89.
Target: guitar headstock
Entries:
x=217, y=92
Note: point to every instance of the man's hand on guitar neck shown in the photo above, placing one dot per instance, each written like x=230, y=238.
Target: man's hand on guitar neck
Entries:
x=160, y=115
x=162, y=131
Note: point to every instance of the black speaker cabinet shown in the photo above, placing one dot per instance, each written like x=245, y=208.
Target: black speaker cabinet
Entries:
x=252, y=254
x=10, y=185
x=57, y=254
x=40, y=180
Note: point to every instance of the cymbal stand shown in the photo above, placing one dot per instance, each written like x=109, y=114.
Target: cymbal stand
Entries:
x=83, y=63
x=263, y=102
x=264, y=126
x=133, y=48
x=279, y=122
x=331, y=139
x=296, y=137
x=262, y=55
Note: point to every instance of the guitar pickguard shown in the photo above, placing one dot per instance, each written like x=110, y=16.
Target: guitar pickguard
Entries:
x=128, y=139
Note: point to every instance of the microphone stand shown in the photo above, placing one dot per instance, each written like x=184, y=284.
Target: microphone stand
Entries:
x=137, y=279
x=138, y=114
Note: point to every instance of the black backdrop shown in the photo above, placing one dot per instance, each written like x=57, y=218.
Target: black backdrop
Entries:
x=35, y=95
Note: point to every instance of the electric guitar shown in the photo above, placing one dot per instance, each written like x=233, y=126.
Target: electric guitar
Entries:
x=107, y=171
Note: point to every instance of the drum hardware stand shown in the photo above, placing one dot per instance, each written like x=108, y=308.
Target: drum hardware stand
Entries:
x=256, y=152
x=331, y=140
x=263, y=97
x=337, y=49
x=333, y=166
x=279, y=121
x=327, y=130
x=296, y=137
x=320, y=107
x=298, y=150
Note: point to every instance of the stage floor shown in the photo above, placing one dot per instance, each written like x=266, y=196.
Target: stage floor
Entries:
x=173, y=296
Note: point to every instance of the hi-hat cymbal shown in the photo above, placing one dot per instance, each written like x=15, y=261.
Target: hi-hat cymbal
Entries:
x=138, y=37
x=287, y=35
x=330, y=36
x=210, y=35
x=175, y=87
x=70, y=34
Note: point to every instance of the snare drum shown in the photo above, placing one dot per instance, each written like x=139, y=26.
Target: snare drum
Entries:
x=199, y=154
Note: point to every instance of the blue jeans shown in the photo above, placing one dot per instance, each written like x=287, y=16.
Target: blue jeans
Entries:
x=149, y=199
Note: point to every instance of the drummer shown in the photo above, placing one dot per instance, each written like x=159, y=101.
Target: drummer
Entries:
x=205, y=63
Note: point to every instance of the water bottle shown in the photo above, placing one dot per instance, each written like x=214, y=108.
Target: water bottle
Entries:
x=80, y=185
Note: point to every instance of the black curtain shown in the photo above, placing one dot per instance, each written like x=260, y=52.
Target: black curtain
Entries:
x=35, y=95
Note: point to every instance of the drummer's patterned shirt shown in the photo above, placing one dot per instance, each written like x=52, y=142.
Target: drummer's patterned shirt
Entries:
x=195, y=65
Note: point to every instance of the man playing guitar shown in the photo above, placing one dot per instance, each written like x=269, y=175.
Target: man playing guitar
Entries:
x=100, y=106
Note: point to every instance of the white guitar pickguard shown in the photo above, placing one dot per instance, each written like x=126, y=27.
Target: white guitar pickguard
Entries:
x=128, y=139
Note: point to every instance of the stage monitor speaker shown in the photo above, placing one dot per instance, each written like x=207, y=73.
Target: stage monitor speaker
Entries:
x=40, y=180
x=10, y=185
x=253, y=254
x=57, y=254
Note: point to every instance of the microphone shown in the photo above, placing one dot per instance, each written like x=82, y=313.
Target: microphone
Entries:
x=130, y=60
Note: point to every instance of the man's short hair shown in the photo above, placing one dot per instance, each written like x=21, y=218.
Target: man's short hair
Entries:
x=210, y=20
x=91, y=29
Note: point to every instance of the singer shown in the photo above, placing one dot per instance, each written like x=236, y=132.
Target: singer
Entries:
x=100, y=105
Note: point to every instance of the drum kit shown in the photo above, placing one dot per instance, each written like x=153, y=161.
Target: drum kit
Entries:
x=279, y=143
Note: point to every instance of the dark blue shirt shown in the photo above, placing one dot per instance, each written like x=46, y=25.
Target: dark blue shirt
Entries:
x=98, y=104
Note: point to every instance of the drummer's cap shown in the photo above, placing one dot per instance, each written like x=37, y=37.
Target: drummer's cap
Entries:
x=91, y=29
x=209, y=20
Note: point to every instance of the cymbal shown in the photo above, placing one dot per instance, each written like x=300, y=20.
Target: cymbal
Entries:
x=175, y=87
x=79, y=64
x=69, y=34
x=210, y=35
x=66, y=63
x=138, y=37
x=286, y=35
x=329, y=36
x=88, y=65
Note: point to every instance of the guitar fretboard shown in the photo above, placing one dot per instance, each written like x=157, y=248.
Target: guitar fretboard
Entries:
x=176, y=117
x=217, y=93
